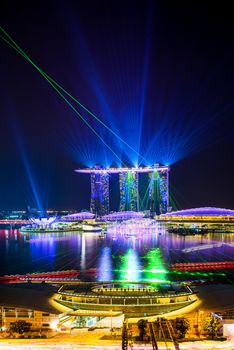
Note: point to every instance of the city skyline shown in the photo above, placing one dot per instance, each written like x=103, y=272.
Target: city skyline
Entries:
x=159, y=76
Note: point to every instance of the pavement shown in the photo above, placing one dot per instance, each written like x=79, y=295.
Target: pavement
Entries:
x=73, y=346
x=97, y=340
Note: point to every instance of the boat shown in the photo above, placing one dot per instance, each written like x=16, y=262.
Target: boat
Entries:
x=203, y=247
x=38, y=229
x=188, y=231
x=92, y=227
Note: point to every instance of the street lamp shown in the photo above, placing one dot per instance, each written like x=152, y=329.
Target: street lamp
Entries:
x=199, y=319
x=111, y=323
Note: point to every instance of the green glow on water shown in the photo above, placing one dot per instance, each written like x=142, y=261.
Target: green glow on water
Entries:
x=156, y=271
x=130, y=270
x=154, y=266
x=157, y=280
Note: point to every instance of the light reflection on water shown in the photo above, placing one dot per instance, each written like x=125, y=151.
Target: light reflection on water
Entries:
x=119, y=255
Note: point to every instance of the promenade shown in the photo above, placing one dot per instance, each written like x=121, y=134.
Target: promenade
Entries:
x=100, y=339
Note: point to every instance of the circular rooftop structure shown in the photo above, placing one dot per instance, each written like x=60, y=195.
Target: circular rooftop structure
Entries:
x=133, y=299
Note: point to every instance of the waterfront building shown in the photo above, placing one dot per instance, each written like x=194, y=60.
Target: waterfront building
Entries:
x=99, y=193
x=128, y=188
x=199, y=215
x=157, y=190
x=106, y=304
x=123, y=215
x=131, y=299
x=83, y=215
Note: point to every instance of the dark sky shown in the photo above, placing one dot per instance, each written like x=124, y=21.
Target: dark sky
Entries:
x=160, y=74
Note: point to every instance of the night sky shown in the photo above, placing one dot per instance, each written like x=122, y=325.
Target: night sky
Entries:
x=160, y=74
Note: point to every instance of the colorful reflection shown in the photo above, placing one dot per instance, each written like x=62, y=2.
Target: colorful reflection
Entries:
x=130, y=267
x=83, y=255
x=145, y=256
x=43, y=248
x=105, y=265
x=154, y=270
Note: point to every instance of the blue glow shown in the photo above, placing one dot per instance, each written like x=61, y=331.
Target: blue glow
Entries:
x=105, y=265
x=43, y=251
x=171, y=138
x=83, y=252
x=121, y=94
x=28, y=170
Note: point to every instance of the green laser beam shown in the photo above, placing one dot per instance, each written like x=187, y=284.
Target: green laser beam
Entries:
x=54, y=83
x=65, y=99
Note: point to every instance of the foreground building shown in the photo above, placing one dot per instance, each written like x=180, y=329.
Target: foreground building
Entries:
x=132, y=299
x=106, y=305
x=30, y=304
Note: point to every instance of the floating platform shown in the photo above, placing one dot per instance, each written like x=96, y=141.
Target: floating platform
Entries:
x=197, y=266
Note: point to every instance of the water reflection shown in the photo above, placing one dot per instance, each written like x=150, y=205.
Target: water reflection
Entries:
x=43, y=249
x=105, y=272
x=154, y=270
x=83, y=255
x=124, y=255
x=129, y=266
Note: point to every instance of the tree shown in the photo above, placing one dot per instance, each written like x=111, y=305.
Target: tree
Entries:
x=182, y=326
x=142, y=324
x=20, y=327
x=212, y=325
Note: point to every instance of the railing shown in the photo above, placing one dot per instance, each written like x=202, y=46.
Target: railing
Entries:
x=125, y=336
x=109, y=301
x=153, y=337
x=172, y=335
x=164, y=327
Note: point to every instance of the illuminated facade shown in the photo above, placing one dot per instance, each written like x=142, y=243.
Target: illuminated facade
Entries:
x=84, y=215
x=99, y=193
x=124, y=215
x=129, y=191
x=205, y=214
x=163, y=191
x=158, y=191
x=43, y=321
x=133, y=299
x=18, y=303
x=128, y=186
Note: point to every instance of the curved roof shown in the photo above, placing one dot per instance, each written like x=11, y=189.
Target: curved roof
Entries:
x=203, y=211
x=29, y=296
x=124, y=215
x=79, y=216
x=217, y=297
